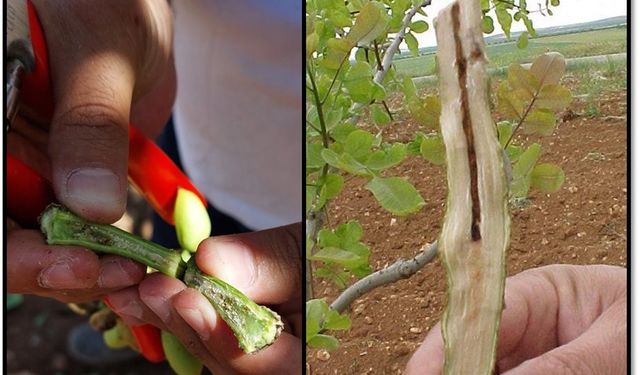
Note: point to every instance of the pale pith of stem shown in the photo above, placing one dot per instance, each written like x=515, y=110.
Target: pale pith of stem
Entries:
x=476, y=227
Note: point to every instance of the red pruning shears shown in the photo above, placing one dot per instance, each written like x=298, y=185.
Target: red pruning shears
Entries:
x=150, y=170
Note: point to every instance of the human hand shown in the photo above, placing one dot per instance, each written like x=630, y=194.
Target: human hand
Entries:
x=66, y=273
x=559, y=319
x=264, y=265
x=103, y=57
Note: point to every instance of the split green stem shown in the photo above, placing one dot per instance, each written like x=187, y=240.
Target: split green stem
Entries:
x=254, y=326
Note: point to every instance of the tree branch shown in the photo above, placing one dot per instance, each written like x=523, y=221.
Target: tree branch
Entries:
x=401, y=269
x=315, y=221
x=395, y=44
x=390, y=52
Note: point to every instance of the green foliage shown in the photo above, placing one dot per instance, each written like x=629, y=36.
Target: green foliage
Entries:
x=521, y=170
x=547, y=177
x=425, y=110
x=396, y=195
x=320, y=317
x=342, y=253
x=523, y=40
x=531, y=98
x=507, y=11
x=379, y=116
x=432, y=148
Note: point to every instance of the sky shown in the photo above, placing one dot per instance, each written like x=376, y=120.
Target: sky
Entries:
x=568, y=12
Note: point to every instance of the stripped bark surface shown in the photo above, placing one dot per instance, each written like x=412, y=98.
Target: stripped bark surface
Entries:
x=476, y=226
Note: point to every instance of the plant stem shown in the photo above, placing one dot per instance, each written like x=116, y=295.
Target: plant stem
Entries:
x=475, y=231
x=399, y=270
x=254, y=326
x=62, y=227
x=316, y=97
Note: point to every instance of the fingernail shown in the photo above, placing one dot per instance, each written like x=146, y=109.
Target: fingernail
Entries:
x=59, y=275
x=95, y=185
x=234, y=263
x=114, y=274
x=195, y=318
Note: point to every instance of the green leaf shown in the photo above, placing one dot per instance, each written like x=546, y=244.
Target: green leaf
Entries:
x=330, y=187
x=487, y=25
x=426, y=111
x=514, y=152
x=338, y=277
x=336, y=321
x=485, y=5
x=349, y=233
x=414, y=146
x=505, y=130
x=529, y=24
x=412, y=43
x=432, y=149
x=324, y=341
x=337, y=51
x=315, y=312
x=327, y=238
x=361, y=55
x=540, y=121
x=340, y=16
x=387, y=157
x=547, y=177
x=521, y=171
x=523, y=40
x=505, y=20
x=370, y=23
x=522, y=79
x=314, y=157
x=419, y=26
x=380, y=116
x=359, y=82
x=341, y=132
x=345, y=162
x=549, y=68
x=358, y=143
x=312, y=44
x=345, y=238
x=555, y=3
x=379, y=92
x=409, y=88
x=396, y=195
x=509, y=104
x=553, y=97
x=336, y=255
x=332, y=118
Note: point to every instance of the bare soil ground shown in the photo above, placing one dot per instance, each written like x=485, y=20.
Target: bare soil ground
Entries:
x=584, y=223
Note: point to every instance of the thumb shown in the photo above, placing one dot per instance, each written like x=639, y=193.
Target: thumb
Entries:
x=265, y=265
x=599, y=350
x=100, y=61
x=88, y=142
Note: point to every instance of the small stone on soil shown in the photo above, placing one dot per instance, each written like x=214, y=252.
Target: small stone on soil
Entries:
x=323, y=355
